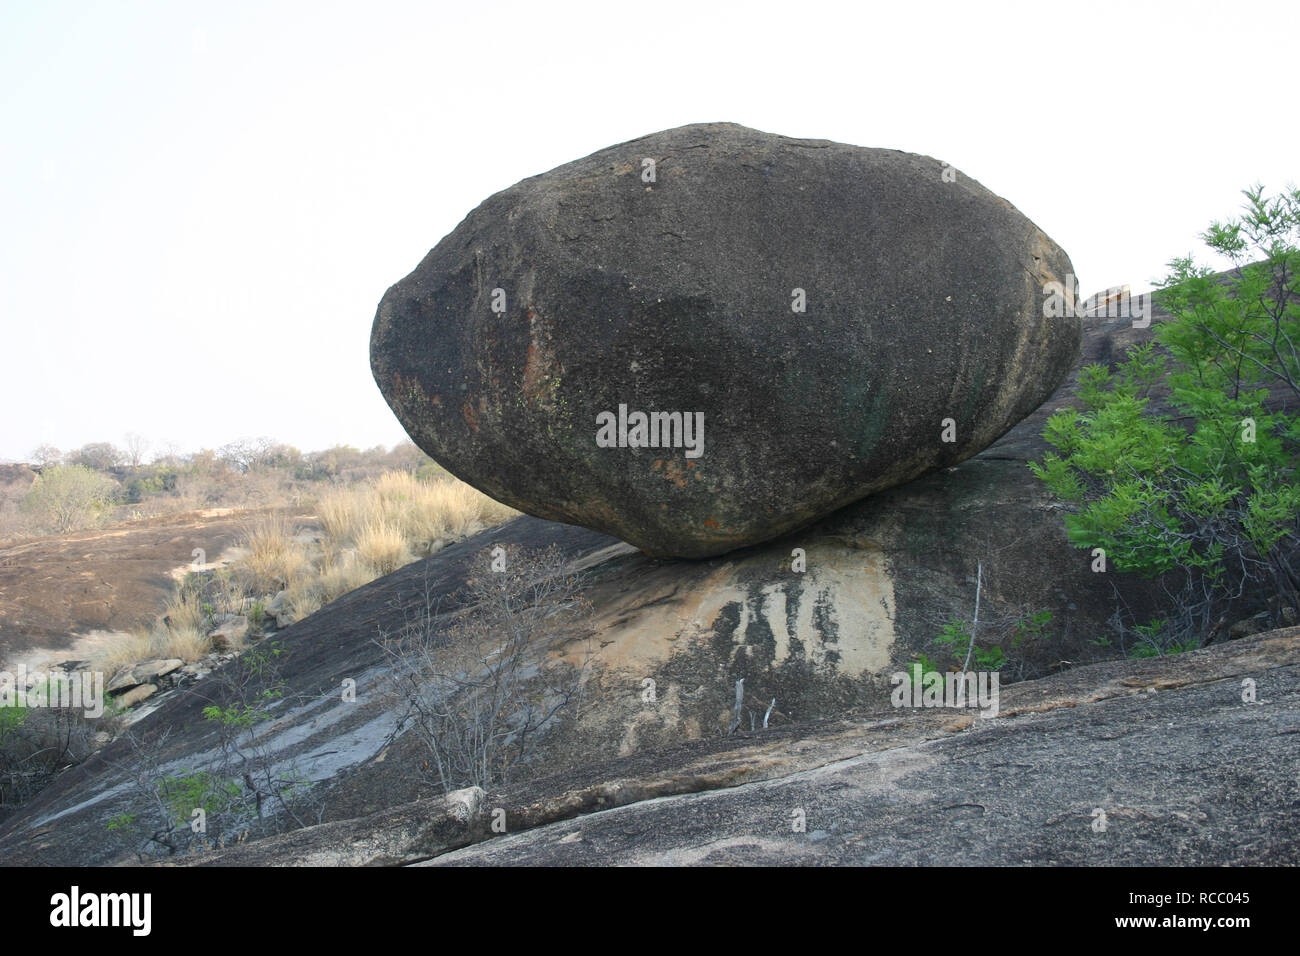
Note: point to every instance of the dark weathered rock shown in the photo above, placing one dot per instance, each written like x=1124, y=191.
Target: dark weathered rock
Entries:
x=882, y=576
x=1122, y=764
x=143, y=673
x=924, y=302
x=1100, y=756
x=1159, y=745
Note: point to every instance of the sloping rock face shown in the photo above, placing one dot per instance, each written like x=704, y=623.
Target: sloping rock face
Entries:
x=812, y=323
x=879, y=580
x=1089, y=768
x=58, y=590
x=1084, y=768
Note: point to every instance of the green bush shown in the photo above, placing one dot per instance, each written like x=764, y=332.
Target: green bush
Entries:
x=1204, y=491
x=69, y=497
x=956, y=637
x=161, y=481
x=211, y=793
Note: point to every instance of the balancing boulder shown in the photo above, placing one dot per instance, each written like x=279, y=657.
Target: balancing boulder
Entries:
x=711, y=336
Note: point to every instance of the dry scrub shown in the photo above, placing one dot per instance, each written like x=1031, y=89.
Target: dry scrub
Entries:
x=373, y=529
x=366, y=531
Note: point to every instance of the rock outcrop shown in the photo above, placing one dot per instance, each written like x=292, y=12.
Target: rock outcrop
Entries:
x=146, y=672
x=879, y=580
x=708, y=337
x=1084, y=768
x=1088, y=768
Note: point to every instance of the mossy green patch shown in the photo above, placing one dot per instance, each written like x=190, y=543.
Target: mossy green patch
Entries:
x=865, y=412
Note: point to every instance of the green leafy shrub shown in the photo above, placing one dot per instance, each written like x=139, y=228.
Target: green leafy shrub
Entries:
x=69, y=497
x=1182, y=461
x=123, y=821
x=211, y=793
x=956, y=638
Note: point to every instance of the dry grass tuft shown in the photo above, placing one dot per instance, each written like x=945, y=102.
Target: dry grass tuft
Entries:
x=305, y=598
x=126, y=650
x=371, y=529
x=427, y=514
x=123, y=651
x=382, y=546
x=275, y=558
x=185, y=643
x=346, y=573
x=341, y=573
x=344, y=512
x=184, y=612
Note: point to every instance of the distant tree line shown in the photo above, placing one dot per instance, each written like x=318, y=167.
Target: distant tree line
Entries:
x=87, y=485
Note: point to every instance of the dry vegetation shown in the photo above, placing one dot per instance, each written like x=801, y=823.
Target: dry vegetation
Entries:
x=372, y=529
x=318, y=526
x=481, y=693
x=367, y=531
x=256, y=474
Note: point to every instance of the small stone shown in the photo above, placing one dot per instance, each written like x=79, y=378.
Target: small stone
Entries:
x=136, y=695
x=278, y=604
x=1248, y=626
x=230, y=635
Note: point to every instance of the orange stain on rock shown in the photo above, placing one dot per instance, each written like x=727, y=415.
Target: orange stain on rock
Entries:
x=672, y=470
x=471, y=415
x=538, y=361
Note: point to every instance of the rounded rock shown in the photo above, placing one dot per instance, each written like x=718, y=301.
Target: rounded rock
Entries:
x=838, y=319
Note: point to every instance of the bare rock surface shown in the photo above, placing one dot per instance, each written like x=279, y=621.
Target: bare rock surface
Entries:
x=711, y=336
x=824, y=642
x=1090, y=767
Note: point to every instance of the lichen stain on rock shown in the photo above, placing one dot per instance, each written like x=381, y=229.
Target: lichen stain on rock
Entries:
x=412, y=394
x=816, y=641
x=837, y=616
x=677, y=471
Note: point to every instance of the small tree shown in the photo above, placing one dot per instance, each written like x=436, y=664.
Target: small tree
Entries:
x=46, y=456
x=479, y=693
x=246, y=454
x=35, y=744
x=251, y=788
x=100, y=455
x=1205, y=494
x=136, y=446
x=68, y=497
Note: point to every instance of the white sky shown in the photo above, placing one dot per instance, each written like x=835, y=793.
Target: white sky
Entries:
x=202, y=204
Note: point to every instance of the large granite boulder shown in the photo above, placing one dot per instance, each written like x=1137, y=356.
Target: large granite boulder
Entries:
x=814, y=322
